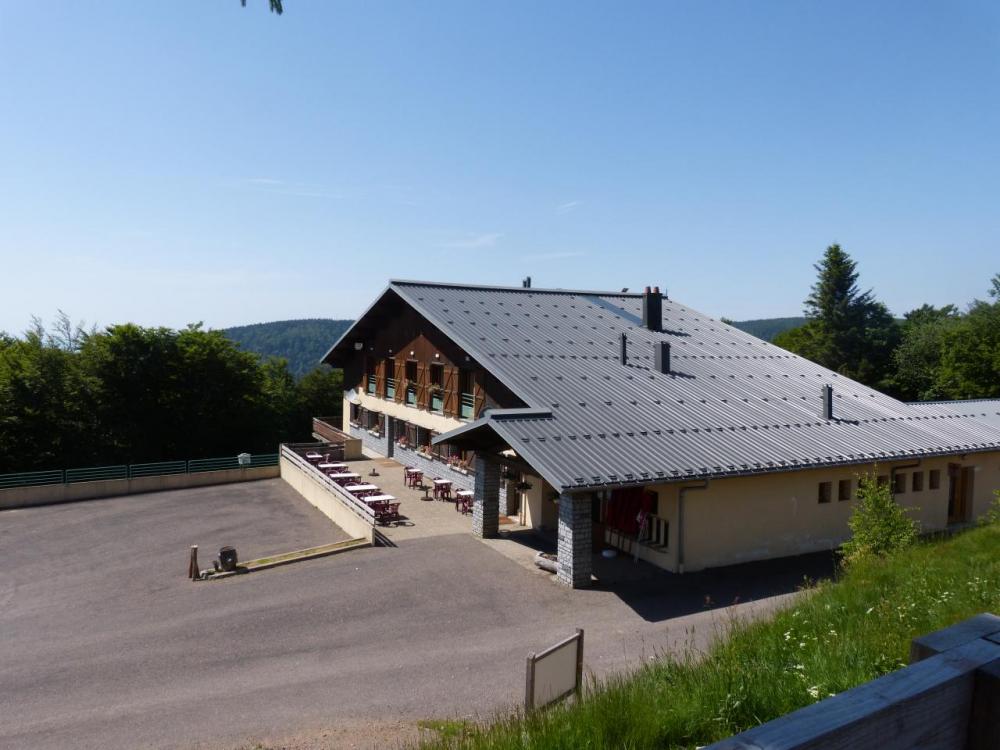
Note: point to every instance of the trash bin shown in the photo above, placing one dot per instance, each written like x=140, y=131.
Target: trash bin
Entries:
x=227, y=558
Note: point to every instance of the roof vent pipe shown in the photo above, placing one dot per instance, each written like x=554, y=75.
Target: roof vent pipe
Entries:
x=652, y=309
x=826, y=394
x=624, y=349
x=526, y=282
x=661, y=356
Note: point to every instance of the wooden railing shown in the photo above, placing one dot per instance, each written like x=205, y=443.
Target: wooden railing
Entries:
x=947, y=699
x=324, y=428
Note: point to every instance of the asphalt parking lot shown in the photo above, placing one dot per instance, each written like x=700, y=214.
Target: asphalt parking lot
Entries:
x=105, y=644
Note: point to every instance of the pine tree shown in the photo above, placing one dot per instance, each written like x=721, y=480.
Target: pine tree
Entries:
x=847, y=330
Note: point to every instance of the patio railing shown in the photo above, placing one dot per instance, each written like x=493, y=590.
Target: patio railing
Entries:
x=132, y=471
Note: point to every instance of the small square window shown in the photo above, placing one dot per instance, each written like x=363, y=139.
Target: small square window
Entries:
x=899, y=484
x=917, y=483
x=825, y=490
x=844, y=490
x=934, y=479
x=883, y=480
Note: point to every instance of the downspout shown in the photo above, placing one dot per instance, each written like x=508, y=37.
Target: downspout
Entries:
x=680, y=521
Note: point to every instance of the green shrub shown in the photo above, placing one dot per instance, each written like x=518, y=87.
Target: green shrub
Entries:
x=992, y=514
x=879, y=525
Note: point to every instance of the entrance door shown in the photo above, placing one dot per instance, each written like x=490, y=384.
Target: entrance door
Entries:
x=960, y=486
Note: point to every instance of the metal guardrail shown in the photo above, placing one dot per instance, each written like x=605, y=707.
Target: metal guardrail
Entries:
x=96, y=473
x=157, y=469
x=132, y=471
x=31, y=479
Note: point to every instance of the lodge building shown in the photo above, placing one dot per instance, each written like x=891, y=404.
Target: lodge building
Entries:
x=631, y=421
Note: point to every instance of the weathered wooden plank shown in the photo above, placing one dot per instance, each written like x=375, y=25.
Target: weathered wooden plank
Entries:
x=984, y=724
x=926, y=705
x=979, y=626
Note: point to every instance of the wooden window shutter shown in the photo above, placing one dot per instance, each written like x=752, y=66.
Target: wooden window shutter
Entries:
x=423, y=401
x=480, y=393
x=450, y=391
x=380, y=378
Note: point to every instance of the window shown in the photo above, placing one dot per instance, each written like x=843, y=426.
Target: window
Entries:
x=883, y=480
x=467, y=395
x=437, y=374
x=390, y=377
x=899, y=484
x=370, y=376
x=825, y=490
x=437, y=402
x=917, y=483
x=844, y=489
x=934, y=480
x=411, y=436
x=355, y=414
x=411, y=383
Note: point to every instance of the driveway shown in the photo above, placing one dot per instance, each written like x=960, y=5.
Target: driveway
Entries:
x=105, y=644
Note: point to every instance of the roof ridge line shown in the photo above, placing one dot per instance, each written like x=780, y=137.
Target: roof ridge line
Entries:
x=524, y=290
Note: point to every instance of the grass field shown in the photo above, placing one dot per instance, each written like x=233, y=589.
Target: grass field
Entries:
x=839, y=635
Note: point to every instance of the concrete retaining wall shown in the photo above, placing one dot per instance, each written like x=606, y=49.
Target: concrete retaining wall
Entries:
x=316, y=493
x=51, y=494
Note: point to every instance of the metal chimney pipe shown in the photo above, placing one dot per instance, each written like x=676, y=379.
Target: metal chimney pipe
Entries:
x=652, y=309
x=624, y=349
x=526, y=282
x=826, y=408
x=661, y=356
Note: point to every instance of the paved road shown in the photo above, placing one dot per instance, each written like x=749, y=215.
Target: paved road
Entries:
x=105, y=644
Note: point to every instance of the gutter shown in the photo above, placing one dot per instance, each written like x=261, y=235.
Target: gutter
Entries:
x=680, y=521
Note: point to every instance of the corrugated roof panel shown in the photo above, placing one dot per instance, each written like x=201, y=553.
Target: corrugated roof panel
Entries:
x=731, y=404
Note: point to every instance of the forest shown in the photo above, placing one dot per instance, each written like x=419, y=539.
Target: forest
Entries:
x=301, y=342
x=71, y=397
x=931, y=354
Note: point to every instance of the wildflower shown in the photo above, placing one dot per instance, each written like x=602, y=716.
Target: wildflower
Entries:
x=813, y=691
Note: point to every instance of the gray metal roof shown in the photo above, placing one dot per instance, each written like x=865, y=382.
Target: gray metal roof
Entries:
x=732, y=404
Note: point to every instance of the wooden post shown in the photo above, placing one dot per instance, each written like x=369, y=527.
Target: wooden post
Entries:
x=579, y=664
x=193, y=570
x=529, y=686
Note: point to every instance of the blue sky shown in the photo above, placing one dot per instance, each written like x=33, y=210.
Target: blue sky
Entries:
x=170, y=162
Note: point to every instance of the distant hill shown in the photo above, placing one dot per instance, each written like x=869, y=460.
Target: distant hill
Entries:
x=301, y=342
x=767, y=328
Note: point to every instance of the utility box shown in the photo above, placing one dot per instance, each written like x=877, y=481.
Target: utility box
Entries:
x=227, y=558
x=243, y=459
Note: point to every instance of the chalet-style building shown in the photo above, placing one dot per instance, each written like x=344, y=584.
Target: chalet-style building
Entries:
x=631, y=421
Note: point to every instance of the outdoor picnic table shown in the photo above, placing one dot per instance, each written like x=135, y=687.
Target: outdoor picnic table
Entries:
x=355, y=488
x=413, y=476
x=343, y=476
x=313, y=456
x=380, y=499
x=464, y=501
x=442, y=488
x=332, y=466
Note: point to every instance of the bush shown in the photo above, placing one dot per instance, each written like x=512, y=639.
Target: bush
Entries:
x=992, y=514
x=879, y=526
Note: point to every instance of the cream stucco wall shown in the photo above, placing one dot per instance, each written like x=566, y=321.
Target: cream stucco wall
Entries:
x=754, y=518
x=411, y=414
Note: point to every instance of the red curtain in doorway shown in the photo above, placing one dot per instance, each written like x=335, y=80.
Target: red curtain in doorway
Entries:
x=625, y=506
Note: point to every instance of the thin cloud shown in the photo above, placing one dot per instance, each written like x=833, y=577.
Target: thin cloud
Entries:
x=565, y=208
x=553, y=256
x=475, y=240
x=263, y=181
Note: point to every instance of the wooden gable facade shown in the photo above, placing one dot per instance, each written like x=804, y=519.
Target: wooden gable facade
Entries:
x=408, y=360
